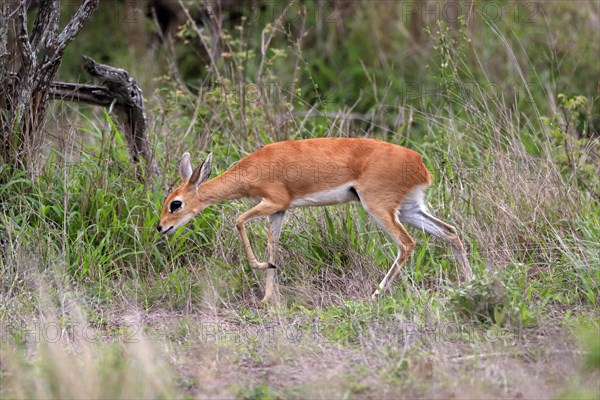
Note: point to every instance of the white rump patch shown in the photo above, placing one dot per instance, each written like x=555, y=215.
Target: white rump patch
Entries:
x=412, y=205
x=414, y=200
x=414, y=212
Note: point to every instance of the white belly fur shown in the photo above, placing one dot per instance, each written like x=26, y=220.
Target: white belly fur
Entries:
x=338, y=195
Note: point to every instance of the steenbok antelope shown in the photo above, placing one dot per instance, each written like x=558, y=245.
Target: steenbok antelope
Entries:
x=388, y=180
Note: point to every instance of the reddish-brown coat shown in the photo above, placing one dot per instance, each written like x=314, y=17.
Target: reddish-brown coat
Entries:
x=284, y=171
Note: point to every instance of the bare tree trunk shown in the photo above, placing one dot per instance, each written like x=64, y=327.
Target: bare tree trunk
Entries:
x=26, y=76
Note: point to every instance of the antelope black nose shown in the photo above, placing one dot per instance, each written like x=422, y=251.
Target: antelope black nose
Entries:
x=158, y=228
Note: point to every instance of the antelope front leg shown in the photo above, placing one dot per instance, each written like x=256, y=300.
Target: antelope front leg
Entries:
x=254, y=263
x=261, y=210
x=275, y=225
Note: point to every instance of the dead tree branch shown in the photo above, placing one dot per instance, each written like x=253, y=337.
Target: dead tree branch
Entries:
x=26, y=83
x=78, y=92
x=25, y=78
x=120, y=86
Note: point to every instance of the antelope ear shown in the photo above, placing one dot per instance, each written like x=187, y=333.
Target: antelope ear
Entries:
x=202, y=172
x=185, y=167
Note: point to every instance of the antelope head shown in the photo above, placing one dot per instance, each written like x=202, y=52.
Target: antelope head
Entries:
x=183, y=203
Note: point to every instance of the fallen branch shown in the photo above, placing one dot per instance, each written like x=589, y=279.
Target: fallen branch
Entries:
x=120, y=92
x=91, y=94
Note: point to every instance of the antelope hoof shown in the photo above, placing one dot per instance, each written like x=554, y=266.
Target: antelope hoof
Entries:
x=376, y=294
x=271, y=266
x=262, y=265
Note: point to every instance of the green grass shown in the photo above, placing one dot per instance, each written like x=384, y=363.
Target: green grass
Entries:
x=79, y=247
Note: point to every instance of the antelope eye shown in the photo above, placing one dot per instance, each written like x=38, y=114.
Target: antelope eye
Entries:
x=175, y=205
